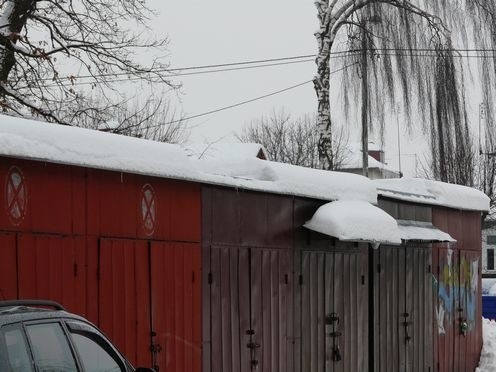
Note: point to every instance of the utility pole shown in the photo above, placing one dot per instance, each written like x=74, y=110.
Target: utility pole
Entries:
x=365, y=103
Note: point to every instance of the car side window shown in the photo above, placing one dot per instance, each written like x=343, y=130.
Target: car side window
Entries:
x=17, y=350
x=92, y=354
x=50, y=347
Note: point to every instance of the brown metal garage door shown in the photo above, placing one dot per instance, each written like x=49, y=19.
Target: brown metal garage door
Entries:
x=334, y=309
x=251, y=309
x=403, y=317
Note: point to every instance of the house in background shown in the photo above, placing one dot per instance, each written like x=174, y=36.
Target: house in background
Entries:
x=488, y=248
x=378, y=169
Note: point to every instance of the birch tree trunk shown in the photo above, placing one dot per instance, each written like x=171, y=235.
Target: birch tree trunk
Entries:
x=322, y=85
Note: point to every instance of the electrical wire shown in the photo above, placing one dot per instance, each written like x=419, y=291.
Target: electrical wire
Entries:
x=249, y=100
x=414, y=52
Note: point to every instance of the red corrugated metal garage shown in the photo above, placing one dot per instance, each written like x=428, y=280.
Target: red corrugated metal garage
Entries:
x=189, y=276
x=120, y=249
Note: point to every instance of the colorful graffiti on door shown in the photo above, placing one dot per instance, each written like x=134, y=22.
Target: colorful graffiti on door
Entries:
x=456, y=287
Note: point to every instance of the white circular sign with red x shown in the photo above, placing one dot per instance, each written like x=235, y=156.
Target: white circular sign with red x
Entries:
x=148, y=209
x=16, y=195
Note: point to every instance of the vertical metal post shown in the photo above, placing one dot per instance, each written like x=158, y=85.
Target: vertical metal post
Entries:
x=365, y=102
x=399, y=150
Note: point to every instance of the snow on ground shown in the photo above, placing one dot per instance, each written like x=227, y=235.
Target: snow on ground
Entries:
x=487, y=361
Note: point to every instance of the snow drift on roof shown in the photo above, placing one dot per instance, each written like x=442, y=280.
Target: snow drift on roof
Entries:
x=433, y=192
x=422, y=231
x=224, y=150
x=263, y=175
x=70, y=145
x=34, y=140
x=355, y=221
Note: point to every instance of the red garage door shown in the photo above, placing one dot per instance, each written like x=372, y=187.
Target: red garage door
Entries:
x=124, y=297
x=53, y=267
x=176, y=309
x=149, y=302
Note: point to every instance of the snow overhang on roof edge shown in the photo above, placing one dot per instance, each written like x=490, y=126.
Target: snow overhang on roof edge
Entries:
x=422, y=232
x=355, y=221
x=431, y=192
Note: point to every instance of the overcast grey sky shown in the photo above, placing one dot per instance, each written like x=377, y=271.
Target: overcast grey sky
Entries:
x=224, y=31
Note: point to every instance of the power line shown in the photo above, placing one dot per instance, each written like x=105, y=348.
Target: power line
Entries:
x=249, y=100
x=186, y=73
x=279, y=62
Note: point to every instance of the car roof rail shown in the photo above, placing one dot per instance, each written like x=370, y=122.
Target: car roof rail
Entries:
x=44, y=303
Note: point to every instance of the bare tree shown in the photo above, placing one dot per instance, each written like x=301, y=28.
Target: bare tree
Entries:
x=152, y=118
x=49, y=47
x=292, y=140
x=411, y=59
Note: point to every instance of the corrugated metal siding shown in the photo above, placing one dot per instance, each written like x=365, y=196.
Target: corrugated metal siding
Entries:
x=54, y=268
x=334, y=282
x=176, y=307
x=403, y=309
x=248, y=307
x=8, y=266
x=458, y=291
x=124, y=297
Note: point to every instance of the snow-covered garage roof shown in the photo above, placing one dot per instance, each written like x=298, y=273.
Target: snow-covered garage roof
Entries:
x=423, y=191
x=29, y=139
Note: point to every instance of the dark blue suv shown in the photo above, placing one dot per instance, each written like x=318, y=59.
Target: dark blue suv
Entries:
x=40, y=336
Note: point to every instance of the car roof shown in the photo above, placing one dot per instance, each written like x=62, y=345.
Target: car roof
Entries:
x=26, y=310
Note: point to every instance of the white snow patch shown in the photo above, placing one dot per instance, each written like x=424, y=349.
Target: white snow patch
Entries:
x=487, y=286
x=418, y=190
x=487, y=361
x=355, y=221
x=422, y=231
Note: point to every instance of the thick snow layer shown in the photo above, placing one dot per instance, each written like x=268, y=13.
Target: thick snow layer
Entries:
x=263, y=175
x=487, y=361
x=433, y=192
x=355, y=221
x=422, y=231
x=68, y=145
